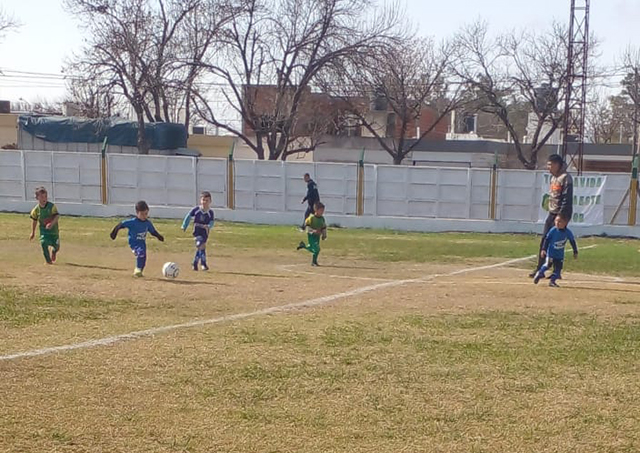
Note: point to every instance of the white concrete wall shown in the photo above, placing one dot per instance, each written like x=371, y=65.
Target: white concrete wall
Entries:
x=263, y=189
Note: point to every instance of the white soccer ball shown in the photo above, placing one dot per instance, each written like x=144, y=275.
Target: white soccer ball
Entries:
x=170, y=270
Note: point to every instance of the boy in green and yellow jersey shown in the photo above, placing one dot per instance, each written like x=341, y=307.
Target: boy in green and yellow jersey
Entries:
x=46, y=214
x=316, y=229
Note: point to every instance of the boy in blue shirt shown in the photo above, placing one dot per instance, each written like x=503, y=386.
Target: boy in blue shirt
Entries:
x=553, y=250
x=138, y=227
x=202, y=223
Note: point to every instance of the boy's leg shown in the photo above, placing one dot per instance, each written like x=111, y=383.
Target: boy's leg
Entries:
x=310, y=242
x=314, y=247
x=540, y=273
x=141, y=260
x=548, y=224
x=44, y=243
x=203, y=257
x=56, y=248
x=557, y=272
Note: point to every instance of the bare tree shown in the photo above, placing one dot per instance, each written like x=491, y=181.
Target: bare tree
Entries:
x=92, y=100
x=513, y=68
x=609, y=119
x=141, y=50
x=631, y=88
x=271, y=55
x=8, y=23
x=412, y=89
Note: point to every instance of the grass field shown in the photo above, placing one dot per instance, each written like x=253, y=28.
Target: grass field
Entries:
x=410, y=343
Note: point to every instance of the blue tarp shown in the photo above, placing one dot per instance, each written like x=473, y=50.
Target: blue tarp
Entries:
x=119, y=132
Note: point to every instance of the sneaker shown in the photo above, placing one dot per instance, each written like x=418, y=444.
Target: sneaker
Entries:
x=553, y=284
x=137, y=272
x=537, y=277
x=204, y=267
x=301, y=246
x=533, y=274
x=54, y=252
x=315, y=263
x=195, y=265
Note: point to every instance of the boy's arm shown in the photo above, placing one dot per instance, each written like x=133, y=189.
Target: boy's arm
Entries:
x=185, y=221
x=34, y=223
x=153, y=232
x=213, y=220
x=574, y=246
x=114, y=232
x=34, y=217
x=54, y=218
x=545, y=243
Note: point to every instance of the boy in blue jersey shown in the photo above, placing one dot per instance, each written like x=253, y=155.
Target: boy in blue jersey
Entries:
x=202, y=223
x=138, y=227
x=553, y=250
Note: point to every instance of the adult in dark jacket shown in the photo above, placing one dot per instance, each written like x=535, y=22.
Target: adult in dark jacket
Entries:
x=560, y=197
x=312, y=197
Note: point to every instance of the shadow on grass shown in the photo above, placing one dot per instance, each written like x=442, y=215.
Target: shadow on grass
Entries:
x=252, y=274
x=186, y=282
x=333, y=266
x=92, y=266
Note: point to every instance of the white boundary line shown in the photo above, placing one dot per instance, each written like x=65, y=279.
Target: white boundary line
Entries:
x=266, y=311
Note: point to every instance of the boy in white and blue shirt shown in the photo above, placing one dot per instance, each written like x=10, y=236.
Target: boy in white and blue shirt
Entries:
x=203, y=220
x=553, y=250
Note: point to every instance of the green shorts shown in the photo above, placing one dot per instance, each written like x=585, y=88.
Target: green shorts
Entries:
x=50, y=241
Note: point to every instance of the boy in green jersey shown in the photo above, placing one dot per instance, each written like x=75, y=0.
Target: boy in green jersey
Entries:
x=46, y=214
x=316, y=229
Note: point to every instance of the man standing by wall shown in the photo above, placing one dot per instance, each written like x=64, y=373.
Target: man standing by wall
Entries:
x=312, y=197
x=560, y=197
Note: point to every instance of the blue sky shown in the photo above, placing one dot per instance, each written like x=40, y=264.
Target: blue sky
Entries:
x=49, y=35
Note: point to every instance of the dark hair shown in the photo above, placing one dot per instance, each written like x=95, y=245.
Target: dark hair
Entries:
x=142, y=206
x=307, y=175
x=205, y=194
x=556, y=159
x=40, y=190
x=564, y=216
x=317, y=206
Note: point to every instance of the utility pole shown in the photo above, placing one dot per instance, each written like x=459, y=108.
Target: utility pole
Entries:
x=576, y=85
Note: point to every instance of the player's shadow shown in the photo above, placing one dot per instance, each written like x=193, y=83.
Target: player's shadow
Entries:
x=188, y=282
x=93, y=266
x=333, y=266
x=253, y=274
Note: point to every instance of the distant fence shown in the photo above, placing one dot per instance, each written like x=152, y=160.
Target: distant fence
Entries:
x=274, y=186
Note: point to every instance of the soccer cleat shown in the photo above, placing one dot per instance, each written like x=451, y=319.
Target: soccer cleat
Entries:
x=137, y=272
x=204, y=267
x=533, y=274
x=537, y=277
x=553, y=284
x=301, y=246
x=54, y=252
x=315, y=263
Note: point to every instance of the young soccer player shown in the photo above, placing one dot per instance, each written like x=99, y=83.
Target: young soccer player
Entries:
x=138, y=227
x=46, y=214
x=553, y=250
x=316, y=229
x=202, y=223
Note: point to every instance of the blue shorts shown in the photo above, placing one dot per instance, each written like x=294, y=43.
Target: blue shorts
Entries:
x=140, y=251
